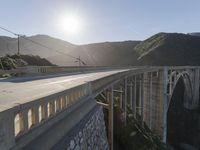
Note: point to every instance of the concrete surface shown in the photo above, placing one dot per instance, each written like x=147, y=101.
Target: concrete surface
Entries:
x=25, y=89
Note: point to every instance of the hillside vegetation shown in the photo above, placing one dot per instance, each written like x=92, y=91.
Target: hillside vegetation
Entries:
x=169, y=49
x=11, y=62
x=160, y=49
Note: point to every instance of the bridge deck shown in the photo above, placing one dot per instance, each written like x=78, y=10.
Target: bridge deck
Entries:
x=25, y=89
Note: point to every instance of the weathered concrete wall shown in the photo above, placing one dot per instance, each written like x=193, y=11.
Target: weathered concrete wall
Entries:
x=153, y=101
x=89, y=134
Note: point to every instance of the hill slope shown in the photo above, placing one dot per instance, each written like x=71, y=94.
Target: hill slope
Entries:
x=169, y=49
x=102, y=54
x=160, y=49
x=108, y=53
x=9, y=46
x=11, y=62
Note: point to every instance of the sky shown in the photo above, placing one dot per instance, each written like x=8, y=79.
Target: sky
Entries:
x=100, y=20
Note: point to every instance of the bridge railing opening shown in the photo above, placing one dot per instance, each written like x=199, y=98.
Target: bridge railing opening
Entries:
x=19, y=123
x=41, y=113
x=37, y=113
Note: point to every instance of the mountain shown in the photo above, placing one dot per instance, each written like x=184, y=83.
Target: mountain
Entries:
x=160, y=49
x=103, y=54
x=59, y=52
x=195, y=33
x=169, y=49
x=9, y=45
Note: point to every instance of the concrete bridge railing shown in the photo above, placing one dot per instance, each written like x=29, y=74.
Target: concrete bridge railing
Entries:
x=24, y=122
x=146, y=90
x=57, y=69
x=18, y=123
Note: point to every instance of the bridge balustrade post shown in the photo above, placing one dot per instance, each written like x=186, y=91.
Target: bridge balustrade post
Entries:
x=25, y=119
x=45, y=110
x=36, y=111
x=53, y=107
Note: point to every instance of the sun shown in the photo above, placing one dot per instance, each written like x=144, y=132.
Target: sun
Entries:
x=70, y=24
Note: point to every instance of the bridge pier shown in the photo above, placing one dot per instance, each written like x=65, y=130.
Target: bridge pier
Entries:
x=165, y=104
x=108, y=103
x=131, y=94
x=151, y=102
x=125, y=101
x=110, y=118
x=135, y=96
x=121, y=97
x=140, y=96
x=196, y=87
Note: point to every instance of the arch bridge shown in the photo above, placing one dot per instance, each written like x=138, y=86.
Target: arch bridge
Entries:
x=48, y=113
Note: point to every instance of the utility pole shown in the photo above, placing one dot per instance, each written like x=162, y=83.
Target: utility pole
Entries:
x=18, y=49
x=1, y=64
x=79, y=61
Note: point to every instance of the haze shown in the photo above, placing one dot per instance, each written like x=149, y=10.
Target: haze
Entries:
x=101, y=20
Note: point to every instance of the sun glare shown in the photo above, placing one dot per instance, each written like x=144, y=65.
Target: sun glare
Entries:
x=70, y=24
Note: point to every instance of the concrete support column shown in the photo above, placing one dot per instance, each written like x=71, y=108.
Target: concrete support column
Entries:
x=110, y=121
x=131, y=95
x=170, y=82
x=175, y=76
x=151, y=101
x=135, y=96
x=125, y=100
x=121, y=97
x=196, y=87
x=140, y=96
x=165, y=103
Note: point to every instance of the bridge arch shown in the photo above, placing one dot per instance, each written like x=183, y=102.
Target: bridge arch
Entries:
x=181, y=117
x=188, y=88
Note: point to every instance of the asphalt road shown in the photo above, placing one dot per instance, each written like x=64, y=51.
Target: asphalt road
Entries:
x=25, y=89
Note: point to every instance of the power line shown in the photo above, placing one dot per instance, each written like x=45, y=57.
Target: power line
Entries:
x=8, y=31
x=42, y=45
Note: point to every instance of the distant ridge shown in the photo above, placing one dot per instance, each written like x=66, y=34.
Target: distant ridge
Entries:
x=169, y=49
x=160, y=49
x=97, y=54
x=195, y=33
